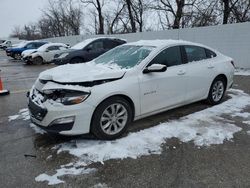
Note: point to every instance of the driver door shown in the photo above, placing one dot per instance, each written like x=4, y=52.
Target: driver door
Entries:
x=159, y=90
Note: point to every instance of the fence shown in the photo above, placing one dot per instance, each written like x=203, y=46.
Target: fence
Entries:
x=232, y=39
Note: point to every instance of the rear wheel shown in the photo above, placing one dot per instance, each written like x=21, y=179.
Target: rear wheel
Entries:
x=111, y=118
x=217, y=91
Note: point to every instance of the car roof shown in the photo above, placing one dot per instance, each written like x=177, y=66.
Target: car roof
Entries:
x=162, y=43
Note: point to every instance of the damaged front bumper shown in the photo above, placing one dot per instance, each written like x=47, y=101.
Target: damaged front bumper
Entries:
x=58, y=118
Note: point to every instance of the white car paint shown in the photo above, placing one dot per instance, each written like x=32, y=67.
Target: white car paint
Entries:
x=47, y=53
x=150, y=93
x=26, y=53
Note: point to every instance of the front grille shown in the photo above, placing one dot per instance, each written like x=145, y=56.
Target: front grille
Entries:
x=36, y=111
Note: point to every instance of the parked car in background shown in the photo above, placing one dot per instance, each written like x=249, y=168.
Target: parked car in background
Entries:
x=26, y=53
x=9, y=43
x=127, y=83
x=87, y=50
x=5, y=44
x=45, y=54
x=16, y=51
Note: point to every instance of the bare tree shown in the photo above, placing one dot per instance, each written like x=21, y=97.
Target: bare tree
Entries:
x=98, y=6
x=60, y=18
x=129, y=5
x=202, y=13
x=228, y=6
x=113, y=19
x=28, y=32
x=241, y=11
x=175, y=8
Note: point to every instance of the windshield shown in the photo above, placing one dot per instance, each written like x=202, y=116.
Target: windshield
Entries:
x=82, y=44
x=21, y=44
x=126, y=56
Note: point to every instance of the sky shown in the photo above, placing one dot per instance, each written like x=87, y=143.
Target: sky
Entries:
x=18, y=13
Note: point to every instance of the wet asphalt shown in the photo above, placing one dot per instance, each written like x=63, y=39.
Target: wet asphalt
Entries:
x=180, y=165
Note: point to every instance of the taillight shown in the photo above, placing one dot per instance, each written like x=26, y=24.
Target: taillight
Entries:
x=233, y=64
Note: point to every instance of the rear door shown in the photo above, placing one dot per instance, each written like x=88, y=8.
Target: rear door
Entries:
x=160, y=90
x=50, y=52
x=200, y=72
x=94, y=49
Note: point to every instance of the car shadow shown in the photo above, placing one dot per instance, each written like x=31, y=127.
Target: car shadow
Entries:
x=49, y=139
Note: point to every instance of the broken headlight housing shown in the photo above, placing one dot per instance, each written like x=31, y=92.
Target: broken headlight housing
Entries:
x=67, y=97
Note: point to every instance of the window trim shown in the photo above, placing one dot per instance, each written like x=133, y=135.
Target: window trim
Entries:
x=206, y=50
x=182, y=62
x=98, y=40
x=186, y=57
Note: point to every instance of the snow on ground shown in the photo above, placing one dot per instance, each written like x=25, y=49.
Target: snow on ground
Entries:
x=23, y=114
x=242, y=72
x=203, y=128
x=241, y=114
x=100, y=185
x=52, y=180
x=246, y=122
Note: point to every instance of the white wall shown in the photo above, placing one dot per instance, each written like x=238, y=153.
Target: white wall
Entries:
x=232, y=39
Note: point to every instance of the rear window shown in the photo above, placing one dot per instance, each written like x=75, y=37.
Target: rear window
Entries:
x=195, y=53
x=210, y=54
x=109, y=44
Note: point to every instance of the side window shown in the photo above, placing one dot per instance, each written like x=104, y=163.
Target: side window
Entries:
x=210, y=54
x=195, y=53
x=38, y=44
x=109, y=44
x=51, y=48
x=169, y=57
x=31, y=45
x=62, y=48
x=97, y=45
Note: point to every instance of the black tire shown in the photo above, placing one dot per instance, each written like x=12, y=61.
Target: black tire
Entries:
x=17, y=56
x=96, y=127
x=76, y=60
x=28, y=62
x=218, y=82
x=37, y=60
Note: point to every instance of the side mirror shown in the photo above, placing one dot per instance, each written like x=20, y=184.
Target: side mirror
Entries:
x=155, y=68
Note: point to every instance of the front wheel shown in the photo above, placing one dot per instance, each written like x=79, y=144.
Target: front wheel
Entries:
x=38, y=60
x=76, y=60
x=17, y=56
x=111, y=118
x=217, y=91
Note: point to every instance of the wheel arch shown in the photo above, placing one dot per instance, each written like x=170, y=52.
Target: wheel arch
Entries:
x=224, y=77
x=127, y=98
x=77, y=57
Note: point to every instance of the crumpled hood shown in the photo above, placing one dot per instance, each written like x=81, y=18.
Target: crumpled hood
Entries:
x=27, y=52
x=83, y=72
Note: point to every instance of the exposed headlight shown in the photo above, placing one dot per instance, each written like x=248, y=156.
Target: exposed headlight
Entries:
x=67, y=97
x=73, y=100
x=63, y=55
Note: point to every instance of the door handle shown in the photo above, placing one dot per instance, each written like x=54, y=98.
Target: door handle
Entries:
x=181, y=72
x=210, y=66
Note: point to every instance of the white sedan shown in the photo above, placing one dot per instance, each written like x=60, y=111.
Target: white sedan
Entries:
x=128, y=83
x=46, y=53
